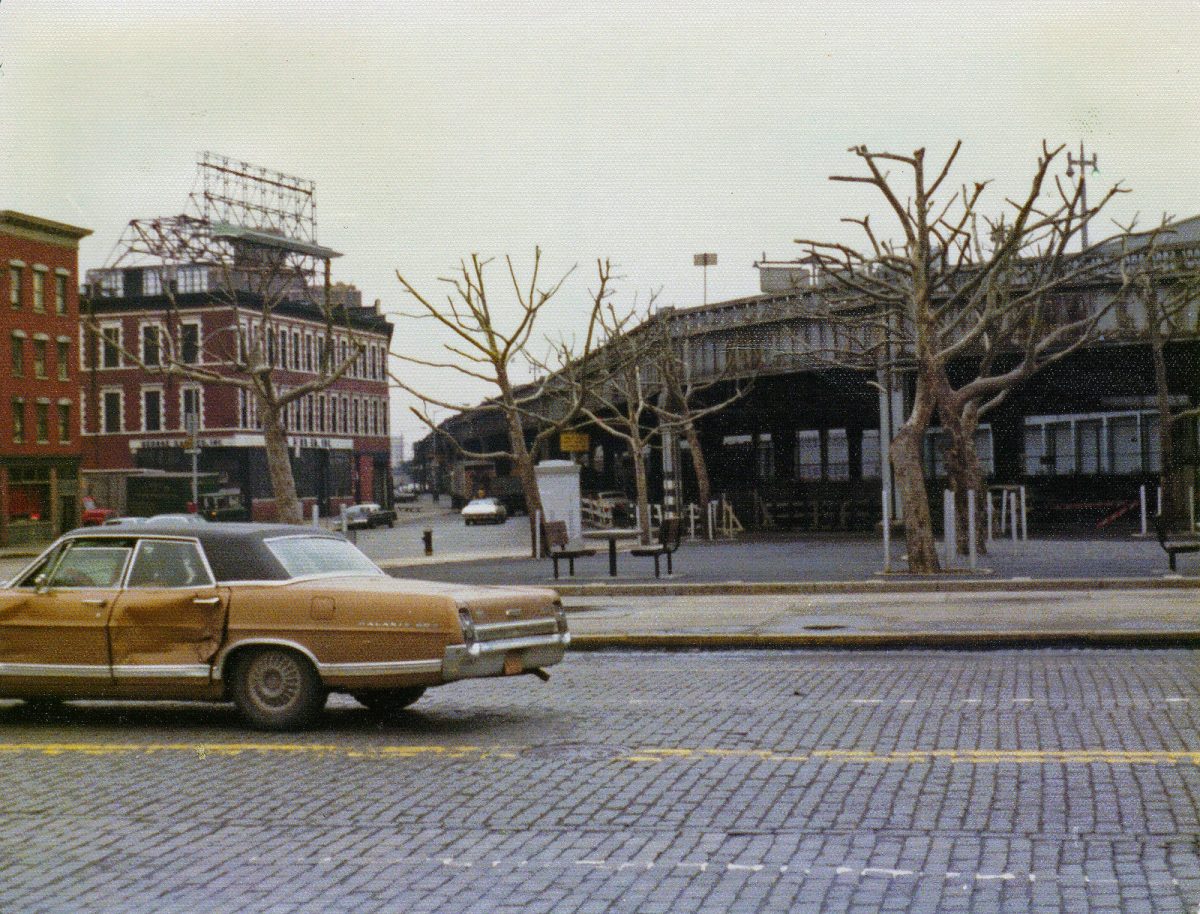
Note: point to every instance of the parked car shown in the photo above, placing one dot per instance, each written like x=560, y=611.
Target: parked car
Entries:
x=223, y=505
x=365, y=516
x=268, y=616
x=484, y=511
x=618, y=503
x=93, y=515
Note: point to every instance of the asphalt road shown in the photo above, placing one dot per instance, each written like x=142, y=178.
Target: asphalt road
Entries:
x=910, y=781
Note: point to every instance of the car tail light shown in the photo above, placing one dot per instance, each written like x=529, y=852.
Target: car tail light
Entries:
x=468, y=625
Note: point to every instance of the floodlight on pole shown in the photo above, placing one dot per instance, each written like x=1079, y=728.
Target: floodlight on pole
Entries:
x=705, y=261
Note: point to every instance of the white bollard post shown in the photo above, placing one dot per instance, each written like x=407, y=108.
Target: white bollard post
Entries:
x=990, y=518
x=537, y=534
x=1012, y=510
x=316, y=516
x=1003, y=511
x=948, y=527
x=971, y=527
x=1158, y=510
x=1024, y=517
x=1142, y=498
x=887, y=533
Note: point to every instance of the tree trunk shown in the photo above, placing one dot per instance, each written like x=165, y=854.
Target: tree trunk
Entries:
x=523, y=464
x=700, y=466
x=279, y=465
x=964, y=475
x=905, y=452
x=1170, y=478
x=643, y=497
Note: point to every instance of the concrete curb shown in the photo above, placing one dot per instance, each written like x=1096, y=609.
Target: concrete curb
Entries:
x=891, y=586
x=879, y=641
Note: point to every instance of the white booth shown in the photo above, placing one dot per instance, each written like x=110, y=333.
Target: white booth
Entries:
x=558, y=486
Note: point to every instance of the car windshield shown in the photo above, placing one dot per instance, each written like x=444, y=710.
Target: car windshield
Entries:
x=483, y=503
x=305, y=555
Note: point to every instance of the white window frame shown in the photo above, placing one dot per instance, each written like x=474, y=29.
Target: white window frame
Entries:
x=61, y=370
x=162, y=338
x=38, y=288
x=183, y=389
x=162, y=404
x=103, y=423
x=103, y=345
x=63, y=401
x=198, y=324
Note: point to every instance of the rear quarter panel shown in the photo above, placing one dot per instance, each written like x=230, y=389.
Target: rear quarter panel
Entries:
x=345, y=620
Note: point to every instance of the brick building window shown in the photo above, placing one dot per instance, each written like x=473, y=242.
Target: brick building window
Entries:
x=18, y=411
x=64, y=422
x=151, y=345
x=191, y=404
x=111, y=355
x=189, y=343
x=41, y=417
x=18, y=356
x=63, y=353
x=111, y=412
x=60, y=294
x=152, y=410
x=39, y=358
x=39, y=289
x=14, y=286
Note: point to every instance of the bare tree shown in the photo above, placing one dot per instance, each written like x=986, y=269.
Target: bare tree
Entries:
x=246, y=272
x=634, y=387
x=1165, y=277
x=683, y=395
x=484, y=351
x=937, y=297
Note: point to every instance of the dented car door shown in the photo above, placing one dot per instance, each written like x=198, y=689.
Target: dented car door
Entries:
x=169, y=621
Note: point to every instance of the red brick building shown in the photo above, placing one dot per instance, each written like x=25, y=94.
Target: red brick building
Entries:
x=134, y=417
x=39, y=331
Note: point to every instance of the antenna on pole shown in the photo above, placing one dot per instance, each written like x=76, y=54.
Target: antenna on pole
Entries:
x=1083, y=162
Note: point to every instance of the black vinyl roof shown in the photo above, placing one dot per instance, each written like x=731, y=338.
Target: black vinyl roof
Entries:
x=235, y=551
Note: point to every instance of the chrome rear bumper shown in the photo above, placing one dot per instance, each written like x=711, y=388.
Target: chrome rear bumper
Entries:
x=486, y=658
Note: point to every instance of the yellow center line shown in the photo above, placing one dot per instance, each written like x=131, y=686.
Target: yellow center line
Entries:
x=645, y=755
x=915, y=756
x=232, y=749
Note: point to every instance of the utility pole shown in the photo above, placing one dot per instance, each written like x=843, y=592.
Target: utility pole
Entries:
x=1083, y=162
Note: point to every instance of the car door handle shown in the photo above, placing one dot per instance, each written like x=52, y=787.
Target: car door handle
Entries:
x=206, y=601
x=95, y=601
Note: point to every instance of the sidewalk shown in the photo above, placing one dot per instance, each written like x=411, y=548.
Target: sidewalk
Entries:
x=763, y=561
x=990, y=619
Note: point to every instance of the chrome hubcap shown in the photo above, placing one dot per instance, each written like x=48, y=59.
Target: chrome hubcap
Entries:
x=275, y=681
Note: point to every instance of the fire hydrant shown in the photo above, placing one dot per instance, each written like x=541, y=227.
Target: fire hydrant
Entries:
x=427, y=537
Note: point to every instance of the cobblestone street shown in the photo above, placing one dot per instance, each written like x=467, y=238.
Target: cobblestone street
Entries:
x=835, y=781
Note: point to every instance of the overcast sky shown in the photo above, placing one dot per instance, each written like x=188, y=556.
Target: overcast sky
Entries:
x=642, y=132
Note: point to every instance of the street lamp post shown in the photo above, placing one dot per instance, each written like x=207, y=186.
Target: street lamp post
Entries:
x=705, y=261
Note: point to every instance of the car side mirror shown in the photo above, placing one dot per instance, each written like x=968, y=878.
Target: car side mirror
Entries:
x=42, y=582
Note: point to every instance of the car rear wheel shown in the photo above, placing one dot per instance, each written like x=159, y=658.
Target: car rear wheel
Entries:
x=277, y=690
x=389, y=701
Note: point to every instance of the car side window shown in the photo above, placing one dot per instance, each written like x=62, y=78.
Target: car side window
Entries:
x=30, y=578
x=168, y=563
x=92, y=563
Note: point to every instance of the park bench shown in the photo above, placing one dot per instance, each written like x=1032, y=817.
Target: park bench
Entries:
x=1174, y=543
x=668, y=541
x=559, y=544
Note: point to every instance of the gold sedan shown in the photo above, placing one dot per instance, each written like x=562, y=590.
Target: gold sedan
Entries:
x=269, y=616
